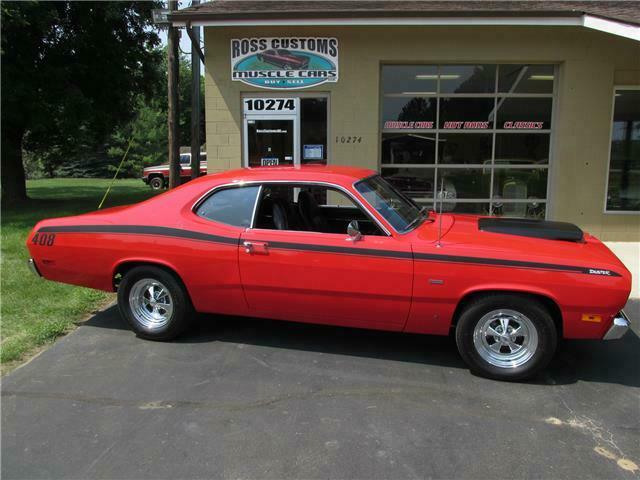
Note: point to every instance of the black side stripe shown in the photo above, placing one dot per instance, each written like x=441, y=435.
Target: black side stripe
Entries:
x=193, y=235
x=141, y=230
x=370, y=252
x=511, y=263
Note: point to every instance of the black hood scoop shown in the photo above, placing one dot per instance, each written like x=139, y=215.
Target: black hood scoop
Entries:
x=526, y=227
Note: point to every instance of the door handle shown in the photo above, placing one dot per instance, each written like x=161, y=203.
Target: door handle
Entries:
x=255, y=247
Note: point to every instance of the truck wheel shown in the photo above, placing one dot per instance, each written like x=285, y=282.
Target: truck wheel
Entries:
x=154, y=303
x=506, y=337
x=156, y=183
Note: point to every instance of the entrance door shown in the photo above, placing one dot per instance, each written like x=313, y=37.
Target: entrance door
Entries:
x=271, y=131
x=270, y=141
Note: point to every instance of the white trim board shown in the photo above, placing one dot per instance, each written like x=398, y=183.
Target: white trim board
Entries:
x=588, y=21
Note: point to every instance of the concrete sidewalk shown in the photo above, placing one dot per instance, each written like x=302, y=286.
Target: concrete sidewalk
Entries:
x=244, y=398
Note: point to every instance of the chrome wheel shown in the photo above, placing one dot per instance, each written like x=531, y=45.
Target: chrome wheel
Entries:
x=151, y=303
x=505, y=338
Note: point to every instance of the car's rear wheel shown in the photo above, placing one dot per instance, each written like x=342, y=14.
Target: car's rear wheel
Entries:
x=154, y=303
x=156, y=183
x=506, y=337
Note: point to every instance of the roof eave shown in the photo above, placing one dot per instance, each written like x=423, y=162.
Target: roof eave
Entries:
x=607, y=25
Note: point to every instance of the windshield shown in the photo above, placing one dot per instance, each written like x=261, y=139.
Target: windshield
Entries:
x=402, y=213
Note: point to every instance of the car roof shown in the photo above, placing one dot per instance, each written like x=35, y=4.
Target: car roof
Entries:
x=321, y=173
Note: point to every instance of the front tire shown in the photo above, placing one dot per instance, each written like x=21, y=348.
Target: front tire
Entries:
x=154, y=303
x=506, y=337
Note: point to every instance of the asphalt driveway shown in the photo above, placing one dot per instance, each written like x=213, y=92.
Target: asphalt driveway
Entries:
x=244, y=398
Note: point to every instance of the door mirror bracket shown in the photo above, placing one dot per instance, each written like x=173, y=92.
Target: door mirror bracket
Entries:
x=353, y=230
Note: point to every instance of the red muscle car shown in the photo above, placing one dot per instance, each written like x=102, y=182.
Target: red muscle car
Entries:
x=158, y=177
x=284, y=58
x=341, y=246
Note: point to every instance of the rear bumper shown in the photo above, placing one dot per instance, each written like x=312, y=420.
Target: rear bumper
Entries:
x=33, y=267
x=618, y=328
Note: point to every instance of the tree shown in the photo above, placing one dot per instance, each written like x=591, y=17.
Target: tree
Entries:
x=149, y=127
x=71, y=72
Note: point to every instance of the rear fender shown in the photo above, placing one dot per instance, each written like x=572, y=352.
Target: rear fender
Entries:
x=117, y=267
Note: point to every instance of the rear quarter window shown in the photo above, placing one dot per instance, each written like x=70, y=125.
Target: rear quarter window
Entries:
x=232, y=206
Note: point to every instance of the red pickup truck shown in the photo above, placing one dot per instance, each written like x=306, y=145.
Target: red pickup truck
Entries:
x=157, y=177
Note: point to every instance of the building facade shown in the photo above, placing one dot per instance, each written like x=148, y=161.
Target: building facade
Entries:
x=530, y=114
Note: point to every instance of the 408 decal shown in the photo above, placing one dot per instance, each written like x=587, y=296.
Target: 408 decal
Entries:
x=44, y=239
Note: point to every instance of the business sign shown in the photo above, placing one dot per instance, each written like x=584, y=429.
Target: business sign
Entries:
x=284, y=63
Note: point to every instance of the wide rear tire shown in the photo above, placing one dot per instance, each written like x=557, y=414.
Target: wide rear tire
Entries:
x=506, y=337
x=154, y=303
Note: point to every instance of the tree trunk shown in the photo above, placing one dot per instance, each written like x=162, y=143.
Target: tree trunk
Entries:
x=173, y=41
x=195, y=101
x=14, y=188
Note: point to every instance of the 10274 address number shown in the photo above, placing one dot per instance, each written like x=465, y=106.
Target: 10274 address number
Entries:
x=348, y=139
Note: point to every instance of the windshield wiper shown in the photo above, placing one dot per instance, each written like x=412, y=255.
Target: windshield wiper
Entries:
x=422, y=214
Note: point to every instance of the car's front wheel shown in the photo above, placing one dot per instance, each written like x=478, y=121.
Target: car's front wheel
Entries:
x=506, y=337
x=156, y=183
x=154, y=303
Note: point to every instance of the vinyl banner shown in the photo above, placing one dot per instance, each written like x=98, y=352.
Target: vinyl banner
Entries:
x=284, y=63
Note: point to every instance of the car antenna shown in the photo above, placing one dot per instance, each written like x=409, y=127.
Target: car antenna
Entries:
x=438, y=244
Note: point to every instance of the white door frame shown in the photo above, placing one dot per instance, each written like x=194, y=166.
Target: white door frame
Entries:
x=271, y=116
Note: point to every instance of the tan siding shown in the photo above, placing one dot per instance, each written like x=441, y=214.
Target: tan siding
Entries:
x=591, y=63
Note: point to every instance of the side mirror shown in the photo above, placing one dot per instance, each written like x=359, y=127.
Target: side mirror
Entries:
x=353, y=230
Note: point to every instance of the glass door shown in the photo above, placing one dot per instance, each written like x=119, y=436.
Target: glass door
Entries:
x=270, y=141
x=271, y=126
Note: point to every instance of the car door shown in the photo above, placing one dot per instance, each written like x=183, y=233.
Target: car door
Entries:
x=325, y=278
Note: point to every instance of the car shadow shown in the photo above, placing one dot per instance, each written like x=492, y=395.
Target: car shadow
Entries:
x=612, y=362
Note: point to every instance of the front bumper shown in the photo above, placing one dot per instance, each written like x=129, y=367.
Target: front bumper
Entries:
x=618, y=328
x=33, y=267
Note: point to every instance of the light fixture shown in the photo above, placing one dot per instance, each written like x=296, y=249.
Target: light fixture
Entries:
x=160, y=16
x=541, y=77
x=429, y=76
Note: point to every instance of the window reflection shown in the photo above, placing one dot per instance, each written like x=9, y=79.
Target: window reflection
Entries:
x=526, y=79
x=519, y=183
x=468, y=79
x=408, y=113
x=437, y=129
x=524, y=113
x=408, y=148
x=466, y=113
x=413, y=80
x=414, y=182
x=522, y=148
x=623, y=188
x=458, y=148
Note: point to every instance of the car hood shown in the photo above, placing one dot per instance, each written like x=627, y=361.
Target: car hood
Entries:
x=462, y=235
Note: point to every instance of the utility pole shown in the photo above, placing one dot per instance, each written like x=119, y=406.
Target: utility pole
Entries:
x=173, y=40
x=195, y=100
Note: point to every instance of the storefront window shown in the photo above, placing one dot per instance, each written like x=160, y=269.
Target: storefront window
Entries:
x=623, y=187
x=313, y=130
x=480, y=133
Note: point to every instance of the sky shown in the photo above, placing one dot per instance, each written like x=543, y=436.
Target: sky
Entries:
x=185, y=41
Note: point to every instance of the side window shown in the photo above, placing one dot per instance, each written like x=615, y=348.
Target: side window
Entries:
x=203, y=157
x=185, y=159
x=310, y=208
x=623, y=184
x=233, y=206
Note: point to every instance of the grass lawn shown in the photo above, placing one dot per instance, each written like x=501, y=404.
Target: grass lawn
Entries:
x=36, y=311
